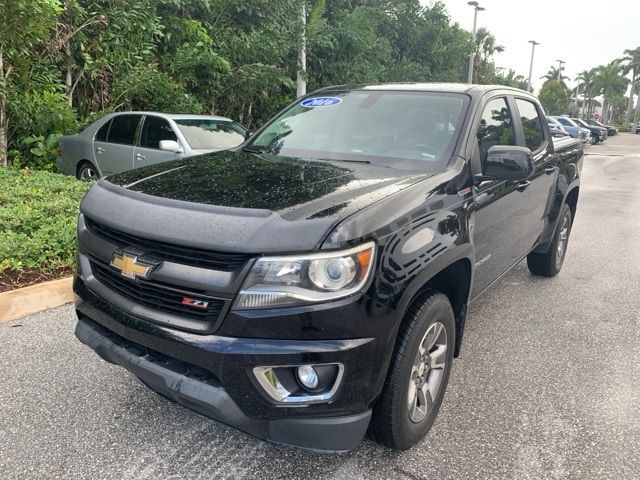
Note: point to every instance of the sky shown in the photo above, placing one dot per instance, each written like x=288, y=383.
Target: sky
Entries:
x=584, y=33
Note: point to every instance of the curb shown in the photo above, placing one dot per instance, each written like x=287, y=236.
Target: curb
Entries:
x=25, y=301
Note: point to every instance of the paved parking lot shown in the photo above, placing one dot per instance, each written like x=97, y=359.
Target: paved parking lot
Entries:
x=548, y=384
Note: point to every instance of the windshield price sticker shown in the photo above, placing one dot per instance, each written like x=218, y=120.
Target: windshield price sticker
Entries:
x=316, y=102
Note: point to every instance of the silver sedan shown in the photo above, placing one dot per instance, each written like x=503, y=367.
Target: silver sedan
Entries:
x=123, y=141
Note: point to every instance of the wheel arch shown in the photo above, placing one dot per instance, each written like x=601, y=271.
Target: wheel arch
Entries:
x=453, y=280
x=572, y=200
x=82, y=161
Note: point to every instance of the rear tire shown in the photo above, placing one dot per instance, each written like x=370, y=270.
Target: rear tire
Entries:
x=418, y=374
x=86, y=171
x=550, y=263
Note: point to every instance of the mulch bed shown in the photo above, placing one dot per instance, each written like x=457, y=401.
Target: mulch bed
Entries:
x=10, y=280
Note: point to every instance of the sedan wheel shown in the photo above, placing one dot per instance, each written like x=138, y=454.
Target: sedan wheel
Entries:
x=88, y=172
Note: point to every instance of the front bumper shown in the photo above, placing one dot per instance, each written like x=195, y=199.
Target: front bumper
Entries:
x=212, y=374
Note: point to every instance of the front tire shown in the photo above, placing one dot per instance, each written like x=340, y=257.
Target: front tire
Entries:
x=550, y=263
x=418, y=374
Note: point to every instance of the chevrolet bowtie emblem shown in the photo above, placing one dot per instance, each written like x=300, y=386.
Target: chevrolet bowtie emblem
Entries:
x=129, y=265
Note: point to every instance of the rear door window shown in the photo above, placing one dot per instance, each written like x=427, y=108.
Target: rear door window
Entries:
x=154, y=130
x=496, y=127
x=531, y=124
x=101, y=136
x=123, y=129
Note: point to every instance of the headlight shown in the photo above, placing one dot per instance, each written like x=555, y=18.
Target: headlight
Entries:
x=304, y=279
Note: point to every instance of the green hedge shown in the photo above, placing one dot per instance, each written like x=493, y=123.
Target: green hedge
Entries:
x=37, y=219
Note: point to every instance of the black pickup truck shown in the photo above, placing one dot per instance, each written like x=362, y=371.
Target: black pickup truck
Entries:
x=312, y=284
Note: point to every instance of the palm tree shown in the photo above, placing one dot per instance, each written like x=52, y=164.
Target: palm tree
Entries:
x=486, y=46
x=554, y=74
x=512, y=79
x=632, y=64
x=611, y=80
x=586, y=85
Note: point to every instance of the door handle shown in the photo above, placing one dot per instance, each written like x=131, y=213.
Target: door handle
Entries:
x=549, y=170
x=139, y=156
x=100, y=150
x=522, y=186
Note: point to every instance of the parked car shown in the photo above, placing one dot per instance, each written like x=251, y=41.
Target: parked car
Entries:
x=573, y=129
x=638, y=127
x=123, y=141
x=313, y=283
x=556, y=128
x=611, y=130
x=598, y=134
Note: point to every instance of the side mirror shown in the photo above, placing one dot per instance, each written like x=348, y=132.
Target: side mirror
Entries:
x=507, y=163
x=170, y=146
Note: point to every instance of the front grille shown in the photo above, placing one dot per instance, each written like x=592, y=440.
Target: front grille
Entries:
x=196, y=257
x=157, y=296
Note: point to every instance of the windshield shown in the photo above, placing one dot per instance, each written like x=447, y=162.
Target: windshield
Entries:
x=202, y=134
x=567, y=122
x=580, y=122
x=400, y=129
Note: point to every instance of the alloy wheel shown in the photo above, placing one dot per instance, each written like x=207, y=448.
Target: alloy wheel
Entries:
x=427, y=372
x=563, y=239
x=88, y=173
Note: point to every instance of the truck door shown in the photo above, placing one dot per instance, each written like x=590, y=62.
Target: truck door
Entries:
x=500, y=206
x=543, y=180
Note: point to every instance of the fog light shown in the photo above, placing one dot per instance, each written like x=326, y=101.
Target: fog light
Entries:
x=308, y=376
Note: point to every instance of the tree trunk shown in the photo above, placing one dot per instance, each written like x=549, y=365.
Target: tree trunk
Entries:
x=636, y=117
x=301, y=88
x=3, y=120
x=630, y=104
x=68, y=80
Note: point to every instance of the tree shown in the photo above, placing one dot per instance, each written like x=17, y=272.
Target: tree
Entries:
x=632, y=64
x=611, y=81
x=554, y=74
x=485, y=47
x=24, y=27
x=554, y=98
x=512, y=79
x=587, y=86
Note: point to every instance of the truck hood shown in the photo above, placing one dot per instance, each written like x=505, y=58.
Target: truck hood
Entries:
x=240, y=202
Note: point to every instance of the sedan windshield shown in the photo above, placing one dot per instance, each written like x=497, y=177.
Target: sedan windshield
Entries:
x=202, y=134
x=400, y=129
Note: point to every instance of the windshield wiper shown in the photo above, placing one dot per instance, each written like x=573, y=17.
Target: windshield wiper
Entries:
x=350, y=161
x=256, y=150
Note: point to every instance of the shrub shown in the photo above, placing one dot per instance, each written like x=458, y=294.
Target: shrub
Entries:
x=147, y=88
x=38, y=119
x=38, y=213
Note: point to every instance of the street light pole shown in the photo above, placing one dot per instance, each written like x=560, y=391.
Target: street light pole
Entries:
x=560, y=62
x=533, y=48
x=476, y=8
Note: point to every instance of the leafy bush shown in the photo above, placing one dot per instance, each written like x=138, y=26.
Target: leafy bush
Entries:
x=37, y=219
x=147, y=88
x=43, y=151
x=38, y=119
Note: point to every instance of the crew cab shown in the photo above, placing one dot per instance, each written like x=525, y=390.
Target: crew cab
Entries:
x=312, y=284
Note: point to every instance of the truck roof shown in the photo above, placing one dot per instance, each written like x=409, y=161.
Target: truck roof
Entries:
x=431, y=87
